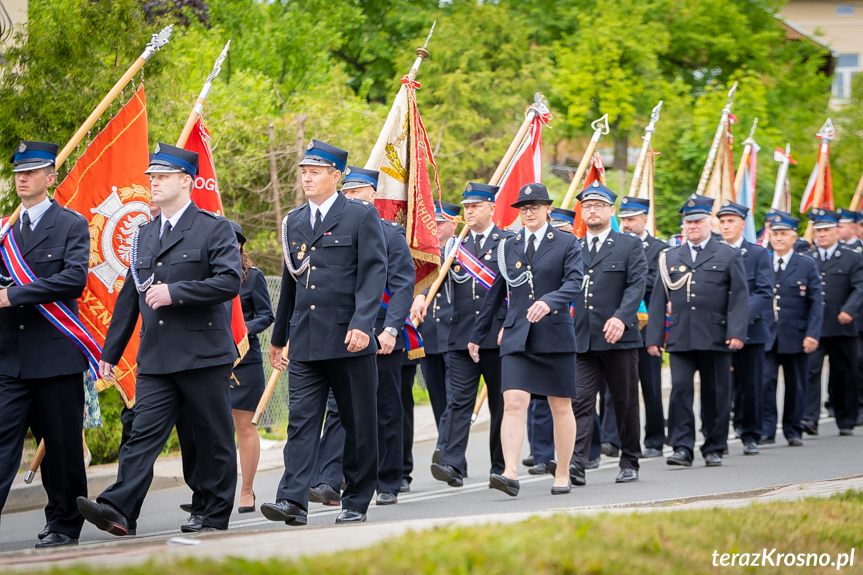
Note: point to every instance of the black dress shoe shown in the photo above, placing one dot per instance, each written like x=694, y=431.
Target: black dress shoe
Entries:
x=448, y=474
x=54, y=539
x=549, y=468
x=725, y=451
x=405, y=487
x=351, y=516
x=436, y=456
x=387, y=499
x=810, y=427
x=592, y=464
x=627, y=476
x=651, y=452
x=562, y=490
x=187, y=507
x=577, y=477
x=846, y=432
x=679, y=457
x=210, y=530
x=713, y=459
x=248, y=509
x=859, y=421
x=750, y=448
x=284, y=510
x=795, y=442
x=528, y=461
x=505, y=484
x=103, y=516
x=610, y=450
x=193, y=524
x=767, y=441
x=42, y=534
x=323, y=493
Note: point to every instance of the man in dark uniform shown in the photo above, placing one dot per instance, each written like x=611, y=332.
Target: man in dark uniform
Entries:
x=43, y=393
x=335, y=272
x=480, y=260
x=848, y=225
x=705, y=283
x=185, y=266
x=797, y=313
x=360, y=185
x=801, y=246
x=435, y=329
x=747, y=364
x=606, y=328
x=841, y=272
x=633, y=219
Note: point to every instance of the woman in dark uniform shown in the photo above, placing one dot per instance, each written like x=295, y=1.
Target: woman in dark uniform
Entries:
x=247, y=382
x=541, y=275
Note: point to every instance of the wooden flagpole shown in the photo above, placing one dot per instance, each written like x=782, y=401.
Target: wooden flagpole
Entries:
x=600, y=128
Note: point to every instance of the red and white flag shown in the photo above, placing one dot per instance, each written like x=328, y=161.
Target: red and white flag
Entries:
x=525, y=167
x=596, y=171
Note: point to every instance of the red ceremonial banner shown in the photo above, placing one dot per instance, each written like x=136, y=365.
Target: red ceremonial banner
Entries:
x=107, y=186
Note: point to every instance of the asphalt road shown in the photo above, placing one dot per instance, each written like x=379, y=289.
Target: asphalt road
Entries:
x=827, y=456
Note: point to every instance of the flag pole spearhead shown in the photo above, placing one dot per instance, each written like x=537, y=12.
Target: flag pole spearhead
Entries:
x=157, y=41
x=600, y=126
x=654, y=117
x=731, y=93
x=422, y=53
x=217, y=67
x=751, y=139
x=827, y=132
x=540, y=106
x=428, y=38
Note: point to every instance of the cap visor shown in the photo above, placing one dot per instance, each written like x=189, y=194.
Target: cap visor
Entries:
x=823, y=225
x=315, y=162
x=474, y=200
x=25, y=166
x=695, y=217
x=532, y=203
x=354, y=185
x=630, y=213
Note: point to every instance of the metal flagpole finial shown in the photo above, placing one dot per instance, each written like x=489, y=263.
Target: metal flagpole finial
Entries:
x=654, y=117
x=598, y=126
x=731, y=94
x=217, y=67
x=430, y=34
x=540, y=104
x=827, y=132
x=158, y=41
x=788, y=150
x=751, y=139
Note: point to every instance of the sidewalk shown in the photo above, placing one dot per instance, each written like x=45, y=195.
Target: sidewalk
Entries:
x=291, y=543
x=168, y=471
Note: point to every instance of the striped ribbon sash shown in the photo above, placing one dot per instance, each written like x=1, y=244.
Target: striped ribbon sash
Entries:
x=473, y=266
x=413, y=340
x=55, y=312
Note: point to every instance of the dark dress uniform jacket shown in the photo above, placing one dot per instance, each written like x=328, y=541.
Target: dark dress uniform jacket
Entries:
x=200, y=262
x=718, y=308
x=435, y=329
x=842, y=290
x=257, y=312
x=400, y=282
x=57, y=252
x=652, y=247
x=797, y=293
x=468, y=299
x=343, y=286
x=557, y=278
x=615, y=288
x=759, y=278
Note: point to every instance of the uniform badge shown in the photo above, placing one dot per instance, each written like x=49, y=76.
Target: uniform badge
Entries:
x=348, y=171
x=671, y=269
x=727, y=203
x=310, y=146
x=528, y=191
x=549, y=235
x=681, y=269
x=464, y=241
x=595, y=183
x=487, y=256
x=495, y=235
x=22, y=147
x=777, y=218
x=837, y=253
x=517, y=265
x=469, y=188
x=625, y=200
x=158, y=149
x=645, y=245
x=457, y=269
x=302, y=253
x=518, y=237
x=691, y=203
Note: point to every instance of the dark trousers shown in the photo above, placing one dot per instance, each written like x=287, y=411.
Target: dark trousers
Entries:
x=619, y=369
x=464, y=377
x=540, y=430
x=436, y=376
x=203, y=396
x=860, y=372
x=842, y=352
x=714, y=367
x=53, y=408
x=409, y=373
x=595, y=440
x=794, y=375
x=650, y=374
x=748, y=382
x=607, y=418
x=353, y=381
x=331, y=449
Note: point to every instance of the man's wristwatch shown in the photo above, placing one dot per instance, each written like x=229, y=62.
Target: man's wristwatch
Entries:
x=392, y=331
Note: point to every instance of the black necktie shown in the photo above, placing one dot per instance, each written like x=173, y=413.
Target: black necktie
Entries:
x=477, y=245
x=697, y=251
x=531, y=248
x=165, y=232
x=594, y=246
x=823, y=255
x=781, y=267
x=317, y=222
x=25, y=226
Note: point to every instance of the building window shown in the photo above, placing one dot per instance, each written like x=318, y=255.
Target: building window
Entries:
x=844, y=10
x=848, y=65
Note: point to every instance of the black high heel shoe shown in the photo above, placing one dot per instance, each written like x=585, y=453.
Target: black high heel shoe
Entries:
x=248, y=509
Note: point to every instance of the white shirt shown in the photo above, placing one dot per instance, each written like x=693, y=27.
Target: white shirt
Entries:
x=738, y=243
x=324, y=208
x=603, y=235
x=692, y=251
x=539, y=234
x=485, y=235
x=173, y=219
x=35, y=213
x=827, y=253
x=644, y=236
x=785, y=259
